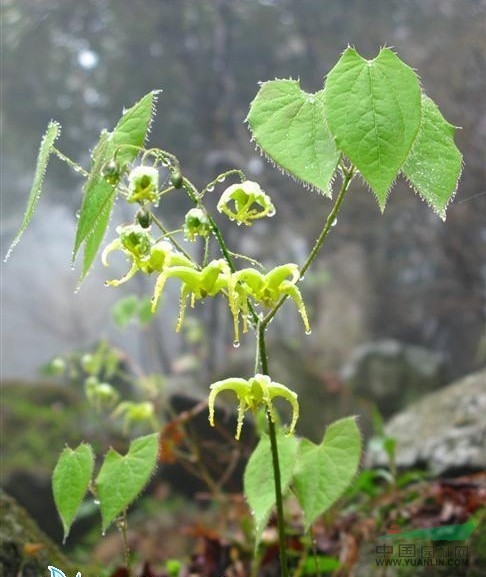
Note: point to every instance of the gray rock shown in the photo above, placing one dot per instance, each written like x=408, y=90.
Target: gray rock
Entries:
x=393, y=374
x=445, y=431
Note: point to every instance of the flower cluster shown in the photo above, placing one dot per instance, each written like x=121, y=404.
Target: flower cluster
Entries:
x=239, y=287
x=259, y=391
x=148, y=256
x=100, y=395
x=243, y=202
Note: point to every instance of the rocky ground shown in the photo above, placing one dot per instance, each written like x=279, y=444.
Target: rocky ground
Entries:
x=440, y=447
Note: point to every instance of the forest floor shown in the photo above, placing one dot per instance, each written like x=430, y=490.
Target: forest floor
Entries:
x=347, y=541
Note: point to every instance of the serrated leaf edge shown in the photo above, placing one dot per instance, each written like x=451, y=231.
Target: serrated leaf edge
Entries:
x=154, y=468
x=442, y=214
x=67, y=528
x=32, y=202
x=79, y=242
x=382, y=205
x=306, y=185
x=355, y=418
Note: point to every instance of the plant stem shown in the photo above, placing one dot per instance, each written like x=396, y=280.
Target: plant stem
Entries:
x=123, y=526
x=196, y=198
x=221, y=177
x=71, y=163
x=248, y=258
x=169, y=234
x=262, y=360
x=206, y=251
x=347, y=178
x=262, y=355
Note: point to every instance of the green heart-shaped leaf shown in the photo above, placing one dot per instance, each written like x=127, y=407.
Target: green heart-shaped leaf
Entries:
x=70, y=482
x=289, y=125
x=122, y=478
x=434, y=164
x=259, y=482
x=324, y=471
x=373, y=109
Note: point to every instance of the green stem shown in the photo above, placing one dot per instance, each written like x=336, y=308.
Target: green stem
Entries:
x=71, y=163
x=162, y=155
x=166, y=190
x=262, y=355
x=221, y=177
x=347, y=178
x=206, y=251
x=329, y=222
x=169, y=233
x=123, y=526
x=314, y=553
x=248, y=258
x=196, y=198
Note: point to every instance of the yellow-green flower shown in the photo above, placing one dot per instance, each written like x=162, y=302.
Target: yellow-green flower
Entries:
x=266, y=289
x=259, y=391
x=136, y=413
x=144, y=253
x=143, y=184
x=197, y=284
x=245, y=202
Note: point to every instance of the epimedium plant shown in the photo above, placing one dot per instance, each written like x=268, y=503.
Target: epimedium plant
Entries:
x=371, y=119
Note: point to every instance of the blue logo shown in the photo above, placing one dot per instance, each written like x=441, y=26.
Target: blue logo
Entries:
x=55, y=572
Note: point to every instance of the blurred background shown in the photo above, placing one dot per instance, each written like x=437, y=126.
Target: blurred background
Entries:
x=397, y=302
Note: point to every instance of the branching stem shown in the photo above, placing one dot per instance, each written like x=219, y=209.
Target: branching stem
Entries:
x=330, y=221
x=260, y=325
x=169, y=234
x=196, y=198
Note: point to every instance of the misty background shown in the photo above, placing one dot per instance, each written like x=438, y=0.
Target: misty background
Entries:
x=405, y=275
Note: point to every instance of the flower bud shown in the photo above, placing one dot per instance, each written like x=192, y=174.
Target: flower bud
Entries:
x=196, y=223
x=89, y=363
x=176, y=179
x=111, y=172
x=144, y=218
